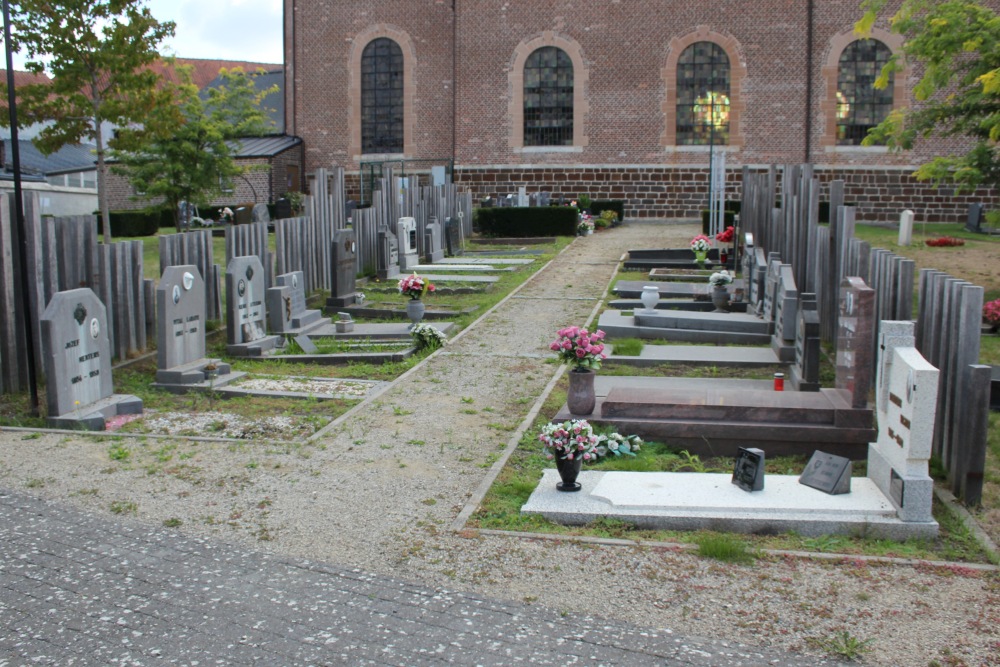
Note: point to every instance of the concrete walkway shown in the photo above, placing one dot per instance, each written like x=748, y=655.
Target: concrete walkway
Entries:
x=82, y=590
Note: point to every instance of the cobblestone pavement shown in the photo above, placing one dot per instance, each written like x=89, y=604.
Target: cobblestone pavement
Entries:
x=82, y=590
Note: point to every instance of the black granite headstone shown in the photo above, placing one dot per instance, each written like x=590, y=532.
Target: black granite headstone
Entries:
x=974, y=220
x=827, y=473
x=748, y=472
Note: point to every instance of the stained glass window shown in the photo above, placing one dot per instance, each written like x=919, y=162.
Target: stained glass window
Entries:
x=548, y=98
x=860, y=105
x=703, y=95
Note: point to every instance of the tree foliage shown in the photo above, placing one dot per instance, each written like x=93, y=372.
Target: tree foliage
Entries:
x=98, y=53
x=187, y=146
x=956, y=43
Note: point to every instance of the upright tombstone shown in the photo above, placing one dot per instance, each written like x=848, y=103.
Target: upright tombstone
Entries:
x=804, y=375
x=974, y=218
x=786, y=312
x=905, y=227
x=746, y=267
x=180, y=327
x=246, y=310
x=260, y=213
x=758, y=279
x=282, y=209
x=454, y=237
x=855, y=340
x=771, y=285
x=349, y=209
x=76, y=359
x=387, y=257
x=343, y=284
x=287, y=313
x=432, y=237
x=544, y=198
x=409, y=254
x=522, y=196
x=898, y=460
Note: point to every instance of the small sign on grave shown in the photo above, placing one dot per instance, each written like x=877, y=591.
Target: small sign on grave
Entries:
x=827, y=473
x=748, y=472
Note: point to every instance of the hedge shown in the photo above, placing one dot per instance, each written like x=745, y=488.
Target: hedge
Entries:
x=132, y=223
x=527, y=221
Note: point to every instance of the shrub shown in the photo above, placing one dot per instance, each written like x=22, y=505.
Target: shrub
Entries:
x=616, y=205
x=527, y=221
x=132, y=223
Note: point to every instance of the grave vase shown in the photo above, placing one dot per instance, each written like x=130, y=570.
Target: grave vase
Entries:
x=650, y=296
x=569, y=470
x=415, y=311
x=720, y=299
x=700, y=257
x=581, y=398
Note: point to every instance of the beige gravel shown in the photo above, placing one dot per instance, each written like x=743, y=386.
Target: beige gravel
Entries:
x=381, y=490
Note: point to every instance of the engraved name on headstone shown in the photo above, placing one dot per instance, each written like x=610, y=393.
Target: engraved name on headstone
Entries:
x=827, y=473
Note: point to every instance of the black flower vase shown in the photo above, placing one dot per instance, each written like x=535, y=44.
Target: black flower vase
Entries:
x=569, y=470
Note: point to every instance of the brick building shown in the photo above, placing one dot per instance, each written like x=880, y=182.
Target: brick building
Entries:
x=618, y=99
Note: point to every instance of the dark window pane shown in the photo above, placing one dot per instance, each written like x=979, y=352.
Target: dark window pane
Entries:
x=382, y=97
x=861, y=106
x=548, y=98
x=703, y=95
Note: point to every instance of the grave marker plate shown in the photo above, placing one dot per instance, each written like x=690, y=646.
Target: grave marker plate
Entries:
x=827, y=473
x=748, y=472
x=306, y=344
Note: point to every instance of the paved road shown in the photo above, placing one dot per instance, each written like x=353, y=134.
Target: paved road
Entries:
x=77, y=589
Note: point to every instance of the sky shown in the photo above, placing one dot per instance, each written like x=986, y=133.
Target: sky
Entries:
x=247, y=30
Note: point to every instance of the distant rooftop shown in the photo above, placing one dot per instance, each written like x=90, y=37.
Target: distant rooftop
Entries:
x=68, y=159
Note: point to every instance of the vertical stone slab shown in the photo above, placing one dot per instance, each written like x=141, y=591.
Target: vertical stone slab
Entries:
x=771, y=285
x=387, y=258
x=758, y=278
x=435, y=253
x=805, y=371
x=409, y=255
x=967, y=319
x=975, y=423
x=897, y=461
x=345, y=269
x=245, y=319
x=180, y=315
x=905, y=228
x=286, y=305
x=77, y=361
x=855, y=341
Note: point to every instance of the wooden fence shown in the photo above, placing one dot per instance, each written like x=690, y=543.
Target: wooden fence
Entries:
x=195, y=247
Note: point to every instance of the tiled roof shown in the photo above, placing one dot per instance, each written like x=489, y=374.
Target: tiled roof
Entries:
x=263, y=146
x=273, y=103
x=204, y=72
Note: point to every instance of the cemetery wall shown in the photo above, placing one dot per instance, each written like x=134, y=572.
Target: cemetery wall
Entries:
x=624, y=144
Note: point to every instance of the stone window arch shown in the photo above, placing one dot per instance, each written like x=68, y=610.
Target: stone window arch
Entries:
x=851, y=104
x=381, y=92
x=548, y=86
x=703, y=80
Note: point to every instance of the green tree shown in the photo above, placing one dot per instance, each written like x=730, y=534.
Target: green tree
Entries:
x=186, y=149
x=98, y=53
x=956, y=44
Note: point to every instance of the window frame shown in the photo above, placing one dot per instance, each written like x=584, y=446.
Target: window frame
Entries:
x=383, y=109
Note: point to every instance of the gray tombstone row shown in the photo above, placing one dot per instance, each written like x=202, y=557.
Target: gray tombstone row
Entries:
x=76, y=358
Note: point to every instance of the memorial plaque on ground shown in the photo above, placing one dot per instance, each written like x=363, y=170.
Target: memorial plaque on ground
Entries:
x=748, y=472
x=855, y=340
x=827, y=473
x=76, y=359
x=345, y=269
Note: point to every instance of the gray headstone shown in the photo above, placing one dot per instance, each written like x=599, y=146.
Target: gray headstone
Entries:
x=898, y=460
x=786, y=304
x=180, y=317
x=260, y=213
x=758, y=279
x=283, y=209
x=522, y=196
x=855, y=340
x=286, y=304
x=974, y=218
x=544, y=198
x=905, y=228
x=805, y=371
x=771, y=286
x=432, y=234
x=246, y=313
x=387, y=258
x=76, y=359
x=344, y=269
x=454, y=237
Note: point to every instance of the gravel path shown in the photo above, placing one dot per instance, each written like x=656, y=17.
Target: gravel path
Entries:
x=382, y=488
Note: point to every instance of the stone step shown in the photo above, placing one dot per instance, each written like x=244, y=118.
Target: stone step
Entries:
x=711, y=321
x=617, y=325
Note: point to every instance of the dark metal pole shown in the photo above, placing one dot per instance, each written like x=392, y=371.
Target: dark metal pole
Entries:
x=22, y=246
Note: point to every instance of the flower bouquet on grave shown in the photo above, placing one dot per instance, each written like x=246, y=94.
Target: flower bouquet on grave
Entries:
x=585, y=226
x=618, y=444
x=579, y=347
x=700, y=246
x=720, y=279
x=570, y=440
x=726, y=236
x=414, y=286
x=226, y=215
x=426, y=336
x=991, y=313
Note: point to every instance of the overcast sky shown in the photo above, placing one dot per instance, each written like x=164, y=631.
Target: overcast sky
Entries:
x=226, y=29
